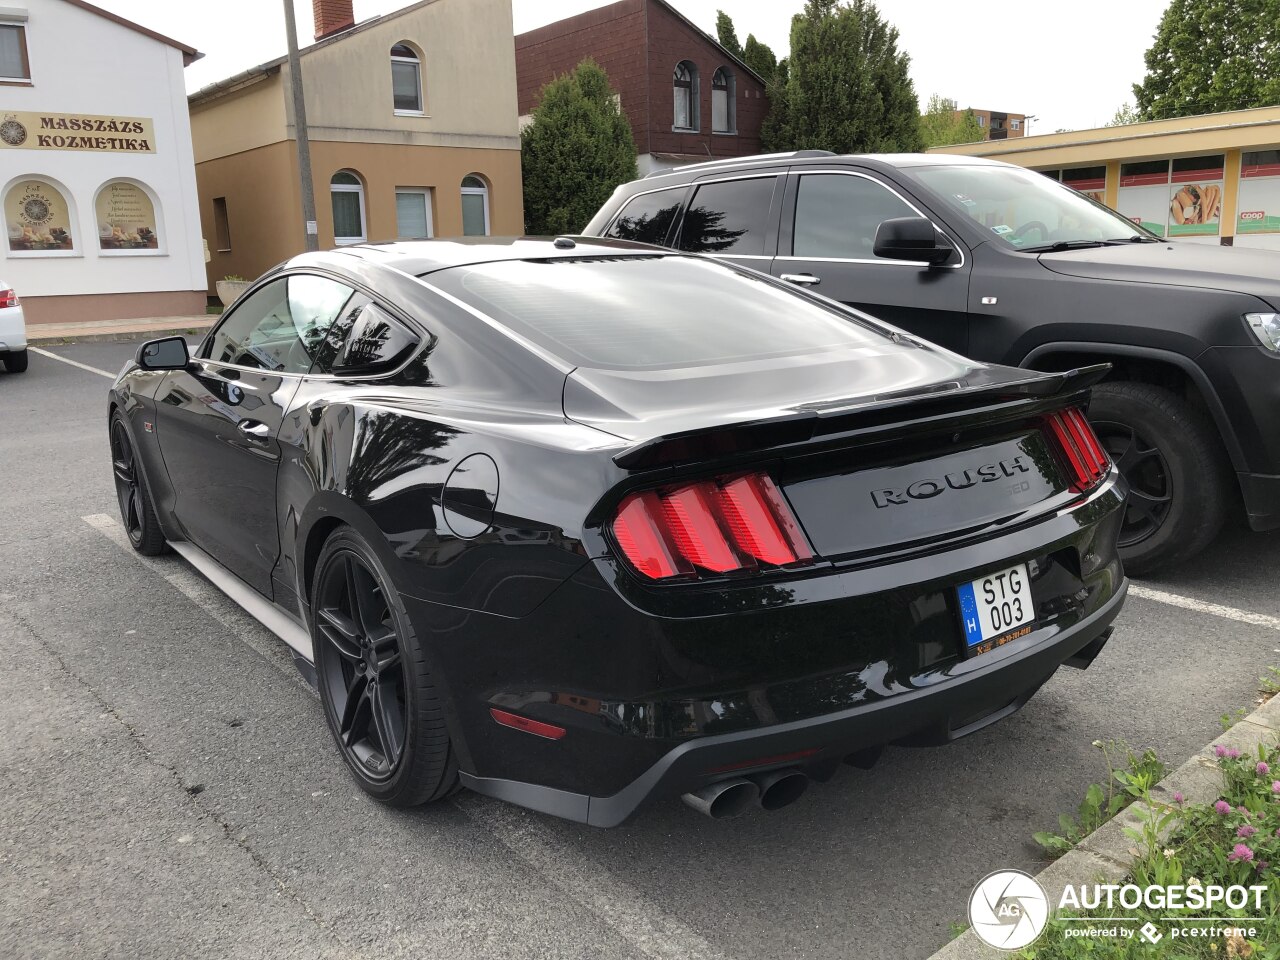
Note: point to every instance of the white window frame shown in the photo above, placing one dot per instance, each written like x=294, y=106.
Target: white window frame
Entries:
x=425, y=194
x=482, y=191
x=357, y=188
x=18, y=19
x=422, y=100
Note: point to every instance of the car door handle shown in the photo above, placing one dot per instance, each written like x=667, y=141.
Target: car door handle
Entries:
x=805, y=279
x=254, y=429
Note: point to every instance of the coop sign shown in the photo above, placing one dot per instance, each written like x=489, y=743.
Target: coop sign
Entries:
x=75, y=131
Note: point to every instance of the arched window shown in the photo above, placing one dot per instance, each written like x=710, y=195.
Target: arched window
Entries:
x=685, y=86
x=406, y=79
x=127, y=218
x=346, y=192
x=723, y=102
x=475, y=206
x=41, y=219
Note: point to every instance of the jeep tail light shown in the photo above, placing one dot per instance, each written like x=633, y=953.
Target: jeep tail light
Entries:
x=709, y=527
x=1079, y=447
x=8, y=299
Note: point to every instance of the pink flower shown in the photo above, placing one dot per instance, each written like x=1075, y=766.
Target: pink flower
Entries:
x=1233, y=754
x=1240, y=852
x=1262, y=865
x=1275, y=786
x=1179, y=798
x=1222, y=807
x=1219, y=751
x=1262, y=769
x=1247, y=831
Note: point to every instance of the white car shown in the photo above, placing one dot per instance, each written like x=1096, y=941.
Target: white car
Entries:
x=13, y=331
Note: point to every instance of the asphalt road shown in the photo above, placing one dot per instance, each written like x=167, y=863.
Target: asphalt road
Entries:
x=168, y=788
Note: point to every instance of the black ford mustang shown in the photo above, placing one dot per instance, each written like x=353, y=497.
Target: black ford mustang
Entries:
x=578, y=523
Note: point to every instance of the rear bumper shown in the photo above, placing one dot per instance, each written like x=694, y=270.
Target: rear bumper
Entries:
x=13, y=329
x=961, y=705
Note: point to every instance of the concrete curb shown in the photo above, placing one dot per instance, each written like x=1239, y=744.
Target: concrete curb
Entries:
x=1105, y=855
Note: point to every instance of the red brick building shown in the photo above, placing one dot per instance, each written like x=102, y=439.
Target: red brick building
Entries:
x=688, y=98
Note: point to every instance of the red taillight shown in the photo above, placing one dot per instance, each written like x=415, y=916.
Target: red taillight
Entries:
x=711, y=526
x=1080, y=447
x=517, y=722
x=8, y=299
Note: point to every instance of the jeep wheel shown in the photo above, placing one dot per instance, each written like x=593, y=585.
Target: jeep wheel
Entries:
x=1175, y=466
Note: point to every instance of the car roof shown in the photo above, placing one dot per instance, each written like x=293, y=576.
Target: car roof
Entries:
x=810, y=158
x=419, y=257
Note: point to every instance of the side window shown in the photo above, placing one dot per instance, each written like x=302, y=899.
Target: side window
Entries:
x=281, y=326
x=648, y=218
x=365, y=339
x=837, y=215
x=728, y=217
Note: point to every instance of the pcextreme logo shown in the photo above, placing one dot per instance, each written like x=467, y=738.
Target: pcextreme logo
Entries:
x=1009, y=910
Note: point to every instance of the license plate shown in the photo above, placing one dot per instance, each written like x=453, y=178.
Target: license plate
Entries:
x=996, y=609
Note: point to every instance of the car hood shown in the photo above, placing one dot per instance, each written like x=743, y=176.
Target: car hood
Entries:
x=641, y=404
x=1179, y=263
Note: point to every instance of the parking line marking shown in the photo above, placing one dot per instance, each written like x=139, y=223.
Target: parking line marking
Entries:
x=616, y=903
x=1203, y=606
x=74, y=363
x=187, y=581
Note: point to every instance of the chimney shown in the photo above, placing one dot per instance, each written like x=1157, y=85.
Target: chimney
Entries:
x=332, y=16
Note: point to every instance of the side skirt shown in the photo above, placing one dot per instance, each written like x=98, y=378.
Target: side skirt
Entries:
x=254, y=604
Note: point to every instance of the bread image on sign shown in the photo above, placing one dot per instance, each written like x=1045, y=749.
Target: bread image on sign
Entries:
x=1196, y=204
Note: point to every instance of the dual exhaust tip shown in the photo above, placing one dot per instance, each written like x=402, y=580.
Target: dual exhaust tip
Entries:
x=729, y=798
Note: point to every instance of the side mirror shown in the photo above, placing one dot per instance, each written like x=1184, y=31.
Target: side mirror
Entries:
x=167, y=353
x=911, y=238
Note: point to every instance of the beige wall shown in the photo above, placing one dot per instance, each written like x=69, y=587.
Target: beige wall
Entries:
x=253, y=116
x=468, y=69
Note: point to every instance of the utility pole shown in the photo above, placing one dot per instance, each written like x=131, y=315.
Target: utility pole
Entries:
x=300, y=131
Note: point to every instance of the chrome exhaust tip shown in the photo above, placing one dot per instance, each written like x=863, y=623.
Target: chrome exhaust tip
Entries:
x=723, y=799
x=781, y=788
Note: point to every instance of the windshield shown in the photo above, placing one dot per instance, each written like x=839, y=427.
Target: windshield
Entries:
x=1024, y=209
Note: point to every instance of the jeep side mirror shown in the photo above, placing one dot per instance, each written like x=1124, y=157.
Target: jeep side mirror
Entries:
x=167, y=353
x=911, y=238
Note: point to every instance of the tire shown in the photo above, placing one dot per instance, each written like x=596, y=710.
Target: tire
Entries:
x=137, y=512
x=1176, y=467
x=370, y=665
x=15, y=361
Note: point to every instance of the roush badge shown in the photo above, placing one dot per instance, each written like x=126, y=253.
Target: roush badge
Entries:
x=931, y=487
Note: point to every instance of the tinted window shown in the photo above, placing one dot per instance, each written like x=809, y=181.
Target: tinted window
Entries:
x=648, y=218
x=837, y=215
x=365, y=339
x=281, y=326
x=728, y=217
x=650, y=312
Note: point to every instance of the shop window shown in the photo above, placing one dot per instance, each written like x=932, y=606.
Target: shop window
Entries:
x=126, y=218
x=221, y=225
x=723, y=99
x=346, y=192
x=685, y=87
x=475, y=207
x=40, y=220
x=413, y=213
x=406, y=79
x=14, y=65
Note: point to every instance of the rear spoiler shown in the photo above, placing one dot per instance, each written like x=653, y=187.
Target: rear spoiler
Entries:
x=806, y=421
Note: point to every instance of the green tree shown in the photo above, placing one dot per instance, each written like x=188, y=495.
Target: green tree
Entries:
x=759, y=57
x=576, y=150
x=1212, y=55
x=727, y=36
x=1126, y=113
x=943, y=123
x=847, y=87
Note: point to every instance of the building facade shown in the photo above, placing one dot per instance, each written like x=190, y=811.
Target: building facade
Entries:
x=999, y=126
x=96, y=171
x=688, y=99
x=413, y=133
x=1207, y=179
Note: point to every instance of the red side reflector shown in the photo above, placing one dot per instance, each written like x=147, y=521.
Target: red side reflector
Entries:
x=537, y=728
x=710, y=526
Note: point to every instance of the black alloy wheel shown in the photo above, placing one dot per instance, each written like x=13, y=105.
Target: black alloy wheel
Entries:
x=363, y=668
x=136, y=511
x=1142, y=464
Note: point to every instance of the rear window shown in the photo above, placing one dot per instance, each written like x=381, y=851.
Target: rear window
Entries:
x=658, y=312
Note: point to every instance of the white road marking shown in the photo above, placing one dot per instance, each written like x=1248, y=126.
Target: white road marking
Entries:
x=617, y=904
x=1203, y=606
x=74, y=363
x=207, y=597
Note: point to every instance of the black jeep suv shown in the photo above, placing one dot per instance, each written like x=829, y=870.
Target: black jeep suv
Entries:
x=1002, y=264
